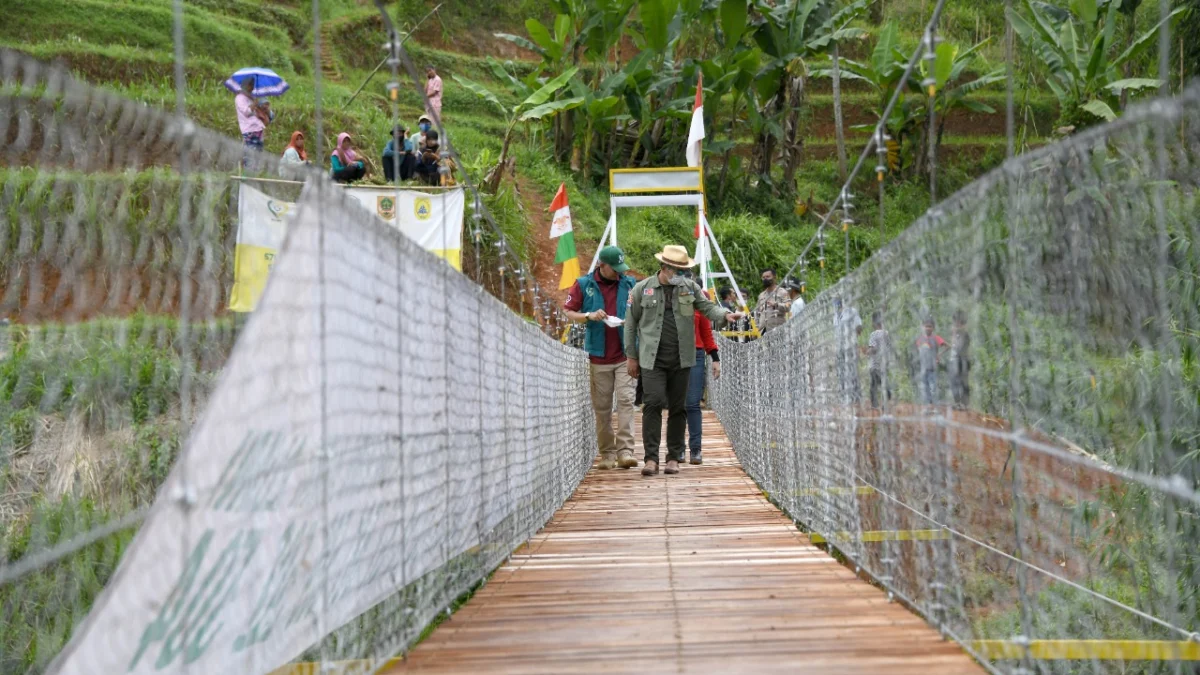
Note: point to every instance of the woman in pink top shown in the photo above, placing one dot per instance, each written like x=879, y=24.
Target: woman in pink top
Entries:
x=249, y=122
x=433, y=90
x=247, y=113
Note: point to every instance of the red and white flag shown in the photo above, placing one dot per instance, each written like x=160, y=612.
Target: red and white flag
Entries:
x=695, y=142
x=696, y=133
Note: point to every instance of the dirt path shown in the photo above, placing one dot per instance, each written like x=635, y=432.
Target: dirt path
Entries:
x=537, y=212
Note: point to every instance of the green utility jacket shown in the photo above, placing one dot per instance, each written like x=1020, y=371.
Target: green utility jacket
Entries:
x=643, y=320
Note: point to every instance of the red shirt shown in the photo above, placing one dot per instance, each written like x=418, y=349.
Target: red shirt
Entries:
x=704, y=334
x=612, y=336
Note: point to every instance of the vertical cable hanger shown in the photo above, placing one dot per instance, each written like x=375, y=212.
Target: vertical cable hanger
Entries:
x=930, y=85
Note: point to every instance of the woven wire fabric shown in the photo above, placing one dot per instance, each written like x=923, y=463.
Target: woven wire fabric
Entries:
x=186, y=490
x=996, y=416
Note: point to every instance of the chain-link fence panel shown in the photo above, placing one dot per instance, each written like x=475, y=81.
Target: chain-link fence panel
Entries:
x=996, y=416
x=185, y=489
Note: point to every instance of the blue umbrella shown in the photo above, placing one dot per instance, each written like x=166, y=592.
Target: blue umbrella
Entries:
x=266, y=82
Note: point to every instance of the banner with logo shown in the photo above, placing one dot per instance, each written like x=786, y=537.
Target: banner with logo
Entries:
x=432, y=220
x=261, y=226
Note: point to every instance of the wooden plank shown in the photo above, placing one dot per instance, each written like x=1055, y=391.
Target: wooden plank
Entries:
x=689, y=573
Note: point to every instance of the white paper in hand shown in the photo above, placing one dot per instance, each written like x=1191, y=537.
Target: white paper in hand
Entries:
x=612, y=321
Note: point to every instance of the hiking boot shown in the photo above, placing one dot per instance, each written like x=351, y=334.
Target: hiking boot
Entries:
x=606, y=464
x=626, y=460
x=672, y=466
x=650, y=468
x=696, y=459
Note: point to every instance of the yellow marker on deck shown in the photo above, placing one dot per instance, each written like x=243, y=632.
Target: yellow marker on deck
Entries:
x=859, y=490
x=1088, y=650
x=884, y=535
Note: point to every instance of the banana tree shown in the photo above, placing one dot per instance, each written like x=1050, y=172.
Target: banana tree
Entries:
x=790, y=34
x=732, y=73
x=535, y=107
x=557, y=45
x=949, y=66
x=600, y=109
x=884, y=72
x=1075, y=45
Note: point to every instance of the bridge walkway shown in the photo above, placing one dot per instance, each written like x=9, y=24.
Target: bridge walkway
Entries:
x=693, y=573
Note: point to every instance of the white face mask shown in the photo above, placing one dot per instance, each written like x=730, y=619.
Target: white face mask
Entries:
x=678, y=279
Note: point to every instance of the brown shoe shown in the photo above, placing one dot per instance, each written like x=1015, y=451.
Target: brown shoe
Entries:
x=626, y=460
x=650, y=468
x=606, y=464
x=672, y=466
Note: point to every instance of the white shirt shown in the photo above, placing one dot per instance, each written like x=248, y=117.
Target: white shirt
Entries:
x=797, y=305
x=846, y=324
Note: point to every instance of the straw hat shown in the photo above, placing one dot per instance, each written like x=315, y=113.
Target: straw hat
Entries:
x=675, y=256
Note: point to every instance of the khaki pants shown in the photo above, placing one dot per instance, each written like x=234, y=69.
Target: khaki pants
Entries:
x=606, y=381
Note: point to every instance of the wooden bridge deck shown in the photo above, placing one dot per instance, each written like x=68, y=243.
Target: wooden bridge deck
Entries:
x=693, y=573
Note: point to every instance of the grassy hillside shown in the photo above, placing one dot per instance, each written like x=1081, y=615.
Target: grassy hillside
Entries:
x=128, y=46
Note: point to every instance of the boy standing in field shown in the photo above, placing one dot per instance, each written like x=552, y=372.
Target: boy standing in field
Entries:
x=879, y=356
x=929, y=346
x=960, y=361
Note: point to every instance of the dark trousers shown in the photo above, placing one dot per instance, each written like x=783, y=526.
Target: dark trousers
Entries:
x=959, y=382
x=349, y=174
x=664, y=388
x=407, y=162
x=427, y=172
x=876, y=385
x=695, y=392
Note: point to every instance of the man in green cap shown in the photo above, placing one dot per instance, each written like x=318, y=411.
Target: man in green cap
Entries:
x=660, y=343
x=601, y=298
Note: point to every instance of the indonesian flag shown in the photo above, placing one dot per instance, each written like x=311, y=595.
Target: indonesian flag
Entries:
x=695, y=140
x=694, y=152
x=560, y=228
x=696, y=133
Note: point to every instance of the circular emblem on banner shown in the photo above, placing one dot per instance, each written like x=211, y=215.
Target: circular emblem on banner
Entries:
x=423, y=208
x=386, y=207
x=278, y=209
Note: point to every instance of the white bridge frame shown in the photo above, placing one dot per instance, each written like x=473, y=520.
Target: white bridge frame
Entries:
x=677, y=186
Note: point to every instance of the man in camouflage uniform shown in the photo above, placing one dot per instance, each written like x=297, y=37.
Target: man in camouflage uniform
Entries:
x=660, y=345
x=773, y=303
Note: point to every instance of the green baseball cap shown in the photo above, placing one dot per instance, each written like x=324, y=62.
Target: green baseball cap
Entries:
x=611, y=255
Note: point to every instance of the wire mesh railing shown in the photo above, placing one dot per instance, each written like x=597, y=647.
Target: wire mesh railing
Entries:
x=187, y=491
x=995, y=417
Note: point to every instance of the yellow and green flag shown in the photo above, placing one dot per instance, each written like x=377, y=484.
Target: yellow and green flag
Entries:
x=560, y=228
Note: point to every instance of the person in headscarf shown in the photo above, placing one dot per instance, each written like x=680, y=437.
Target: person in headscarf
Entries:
x=249, y=122
x=345, y=166
x=294, y=156
x=433, y=91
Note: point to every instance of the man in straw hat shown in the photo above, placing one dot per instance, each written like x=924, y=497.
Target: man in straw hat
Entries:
x=663, y=351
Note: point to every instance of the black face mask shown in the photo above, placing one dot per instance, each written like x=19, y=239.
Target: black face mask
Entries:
x=767, y=283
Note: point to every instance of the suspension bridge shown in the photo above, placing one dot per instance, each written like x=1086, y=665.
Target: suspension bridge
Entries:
x=386, y=470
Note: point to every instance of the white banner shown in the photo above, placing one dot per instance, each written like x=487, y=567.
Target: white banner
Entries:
x=261, y=226
x=434, y=221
